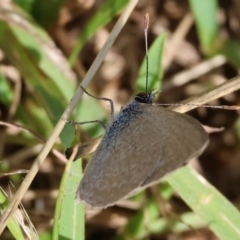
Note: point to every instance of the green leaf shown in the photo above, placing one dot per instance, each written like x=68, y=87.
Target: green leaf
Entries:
x=217, y=212
x=13, y=225
x=69, y=214
x=205, y=14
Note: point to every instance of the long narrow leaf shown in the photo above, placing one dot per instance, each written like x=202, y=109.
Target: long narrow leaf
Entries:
x=220, y=215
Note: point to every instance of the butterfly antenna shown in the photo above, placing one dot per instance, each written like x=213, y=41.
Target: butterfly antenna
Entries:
x=146, y=24
x=225, y=107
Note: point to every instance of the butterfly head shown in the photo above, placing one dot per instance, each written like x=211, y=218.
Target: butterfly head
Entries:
x=145, y=97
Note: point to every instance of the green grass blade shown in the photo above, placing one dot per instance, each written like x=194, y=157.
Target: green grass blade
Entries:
x=13, y=225
x=69, y=215
x=205, y=14
x=219, y=214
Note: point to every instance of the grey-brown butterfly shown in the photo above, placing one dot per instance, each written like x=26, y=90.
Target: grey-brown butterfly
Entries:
x=143, y=143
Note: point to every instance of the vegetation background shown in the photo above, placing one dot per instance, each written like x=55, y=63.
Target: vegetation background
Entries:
x=46, y=48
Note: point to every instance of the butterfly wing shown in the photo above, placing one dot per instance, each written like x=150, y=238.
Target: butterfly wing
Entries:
x=138, y=148
x=184, y=140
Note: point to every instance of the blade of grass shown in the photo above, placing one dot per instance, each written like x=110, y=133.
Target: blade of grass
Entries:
x=69, y=215
x=209, y=95
x=205, y=14
x=13, y=225
x=220, y=215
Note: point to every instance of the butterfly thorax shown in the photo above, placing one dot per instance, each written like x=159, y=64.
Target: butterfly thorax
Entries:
x=129, y=113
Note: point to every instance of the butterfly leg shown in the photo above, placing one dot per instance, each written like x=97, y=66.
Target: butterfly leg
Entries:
x=101, y=98
x=81, y=123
